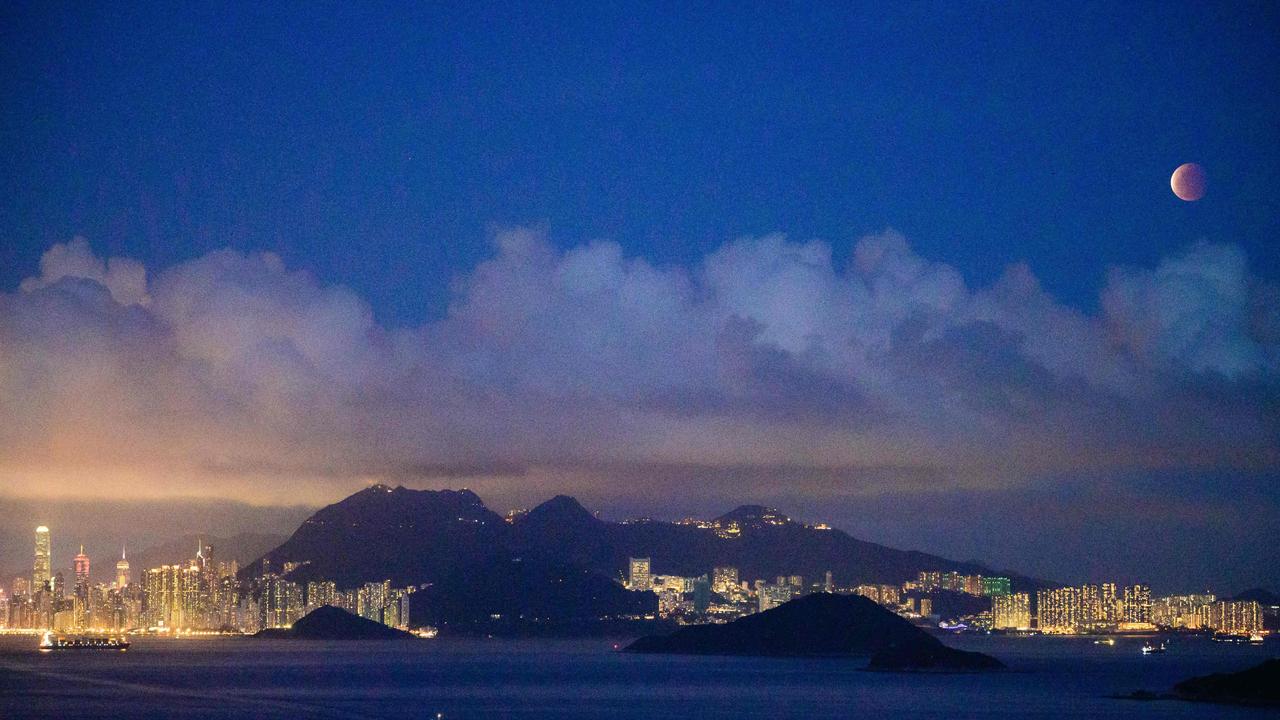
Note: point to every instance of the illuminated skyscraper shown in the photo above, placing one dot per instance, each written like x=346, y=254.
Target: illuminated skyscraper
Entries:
x=638, y=577
x=1011, y=611
x=81, y=566
x=1059, y=611
x=122, y=571
x=1110, y=602
x=43, y=568
x=1240, y=617
x=1137, y=604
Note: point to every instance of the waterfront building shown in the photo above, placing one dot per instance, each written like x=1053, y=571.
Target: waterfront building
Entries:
x=1233, y=617
x=42, y=572
x=1109, y=604
x=1181, y=611
x=1011, y=611
x=1137, y=604
x=1059, y=610
x=282, y=603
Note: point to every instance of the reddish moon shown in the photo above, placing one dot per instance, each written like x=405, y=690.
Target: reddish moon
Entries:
x=1189, y=182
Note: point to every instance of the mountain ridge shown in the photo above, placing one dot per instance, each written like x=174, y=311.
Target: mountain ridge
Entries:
x=427, y=536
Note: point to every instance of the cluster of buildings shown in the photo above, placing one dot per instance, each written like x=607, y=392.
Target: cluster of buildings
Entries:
x=1102, y=608
x=205, y=594
x=201, y=594
x=1107, y=608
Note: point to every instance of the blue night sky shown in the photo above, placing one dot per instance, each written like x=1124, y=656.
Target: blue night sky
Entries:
x=914, y=271
x=379, y=148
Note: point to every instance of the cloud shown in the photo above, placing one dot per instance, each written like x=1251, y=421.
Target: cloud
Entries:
x=125, y=279
x=233, y=374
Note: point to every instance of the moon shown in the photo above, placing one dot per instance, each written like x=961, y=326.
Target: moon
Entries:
x=1189, y=182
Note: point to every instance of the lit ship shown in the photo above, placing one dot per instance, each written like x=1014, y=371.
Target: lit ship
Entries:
x=1150, y=649
x=50, y=641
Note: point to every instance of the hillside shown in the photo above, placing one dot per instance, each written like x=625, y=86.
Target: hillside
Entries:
x=821, y=625
x=559, y=560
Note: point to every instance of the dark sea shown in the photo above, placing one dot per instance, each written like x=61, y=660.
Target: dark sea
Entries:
x=246, y=678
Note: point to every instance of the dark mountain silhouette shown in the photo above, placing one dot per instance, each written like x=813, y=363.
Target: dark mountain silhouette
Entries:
x=1260, y=595
x=821, y=625
x=558, y=560
x=759, y=541
x=332, y=623
x=1259, y=685
x=405, y=536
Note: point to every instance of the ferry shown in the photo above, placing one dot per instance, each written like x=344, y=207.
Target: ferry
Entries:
x=1105, y=641
x=1149, y=649
x=50, y=642
x=1256, y=639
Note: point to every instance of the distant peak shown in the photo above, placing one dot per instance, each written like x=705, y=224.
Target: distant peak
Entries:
x=753, y=515
x=561, y=507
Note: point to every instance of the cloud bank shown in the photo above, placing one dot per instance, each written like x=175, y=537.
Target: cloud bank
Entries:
x=233, y=375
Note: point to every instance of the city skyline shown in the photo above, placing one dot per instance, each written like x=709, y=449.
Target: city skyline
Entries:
x=1184, y=586
x=202, y=594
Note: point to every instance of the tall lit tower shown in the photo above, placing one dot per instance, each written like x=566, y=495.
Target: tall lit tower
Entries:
x=122, y=570
x=81, y=565
x=43, y=568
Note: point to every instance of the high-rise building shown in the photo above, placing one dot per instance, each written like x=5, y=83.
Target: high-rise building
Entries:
x=81, y=567
x=724, y=579
x=1110, y=604
x=828, y=584
x=1137, y=604
x=321, y=593
x=43, y=571
x=993, y=586
x=1011, y=611
x=82, y=606
x=122, y=570
x=638, y=577
x=1235, y=617
x=1059, y=611
x=926, y=607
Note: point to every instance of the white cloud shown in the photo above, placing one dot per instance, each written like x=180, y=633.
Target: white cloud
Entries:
x=232, y=371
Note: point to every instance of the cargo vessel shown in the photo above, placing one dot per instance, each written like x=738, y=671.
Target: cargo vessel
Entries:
x=52, y=641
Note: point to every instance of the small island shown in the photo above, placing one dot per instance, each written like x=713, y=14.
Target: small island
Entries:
x=333, y=623
x=1258, y=685
x=822, y=625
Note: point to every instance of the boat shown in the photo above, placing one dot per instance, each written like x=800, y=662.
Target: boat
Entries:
x=1149, y=649
x=1105, y=641
x=52, y=641
x=1255, y=638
